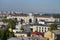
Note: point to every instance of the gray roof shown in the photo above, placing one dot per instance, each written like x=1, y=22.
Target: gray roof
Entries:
x=13, y=38
x=21, y=14
x=21, y=33
x=36, y=25
x=57, y=32
x=27, y=38
x=18, y=38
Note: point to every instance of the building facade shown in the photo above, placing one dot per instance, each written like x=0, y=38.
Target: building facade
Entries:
x=40, y=28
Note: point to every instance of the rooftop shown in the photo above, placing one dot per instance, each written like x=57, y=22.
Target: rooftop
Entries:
x=36, y=24
x=21, y=14
x=56, y=31
x=37, y=33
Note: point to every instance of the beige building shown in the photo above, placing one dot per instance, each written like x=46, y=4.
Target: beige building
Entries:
x=18, y=26
x=49, y=35
x=20, y=34
x=52, y=35
x=1, y=23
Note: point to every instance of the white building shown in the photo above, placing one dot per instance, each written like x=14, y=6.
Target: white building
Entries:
x=27, y=17
x=39, y=28
x=46, y=18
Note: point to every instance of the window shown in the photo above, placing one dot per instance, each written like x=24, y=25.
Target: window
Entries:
x=42, y=29
x=30, y=20
x=45, y=29
x=31, y=29
x=48, y=28
x=39, y=29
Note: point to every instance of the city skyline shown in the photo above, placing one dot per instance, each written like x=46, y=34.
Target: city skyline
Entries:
x=48, y=6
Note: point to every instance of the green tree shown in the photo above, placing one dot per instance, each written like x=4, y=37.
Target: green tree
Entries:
x=22, y=28
x=15, y=20
x=5, y=19
x=5, y=34
x=11, y=23
x=53, y=26
x=21, y=21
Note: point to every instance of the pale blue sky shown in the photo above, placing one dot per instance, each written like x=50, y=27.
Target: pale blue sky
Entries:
x=50, y=6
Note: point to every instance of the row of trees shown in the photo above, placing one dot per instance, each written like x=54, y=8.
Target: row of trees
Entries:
x=6, y=33
x=11, y=22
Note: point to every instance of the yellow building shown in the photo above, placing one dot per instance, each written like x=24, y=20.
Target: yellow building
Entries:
x=49, y=35
x=52, y=35
x=1, y=23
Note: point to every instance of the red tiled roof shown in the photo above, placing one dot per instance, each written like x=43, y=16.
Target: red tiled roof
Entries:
x=33, y=32
x=37, y=33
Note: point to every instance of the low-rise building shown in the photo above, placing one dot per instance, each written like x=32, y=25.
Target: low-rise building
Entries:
x=19, y=34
